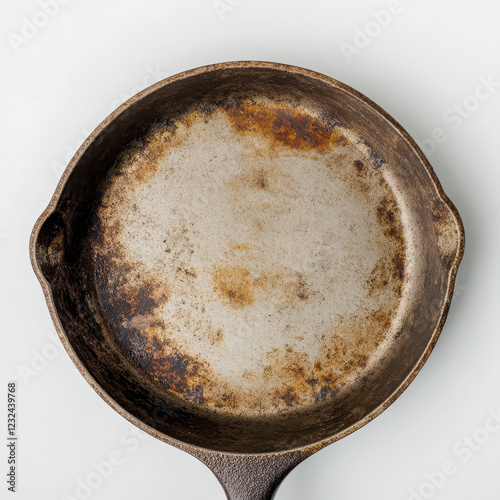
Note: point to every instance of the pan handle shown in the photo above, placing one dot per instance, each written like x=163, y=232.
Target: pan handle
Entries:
x=252, y=477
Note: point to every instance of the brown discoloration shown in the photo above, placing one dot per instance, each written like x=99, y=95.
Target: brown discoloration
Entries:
x=132, y=298
x=189, y=273
x=338, y=361
x=243, y=247
x=129, y=303
x=55, y=251
x=289, y=396
x=348, y=351
x=359, y=360
x=302, y=288
x=297, y=378
x=228, y=400
x=388, y=216
x=238, y=288
x=359, y=165
x=189, y=377
x=216, y=336
x=261, y=181
x=294, y=378
x=140, y=321
x=181, y=370
x=398, y=262
x=132, y=310
x=379, y=321
x=346, y=347
x=185, y=375
x=260, y=174
x=379, y=277
x=143, y=156
x=293, y=128
x=235, y=286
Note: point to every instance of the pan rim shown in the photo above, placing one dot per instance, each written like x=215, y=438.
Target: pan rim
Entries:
x=195, y=449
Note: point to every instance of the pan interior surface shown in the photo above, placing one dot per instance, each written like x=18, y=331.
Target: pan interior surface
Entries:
x=247, y=265
x=250, y=258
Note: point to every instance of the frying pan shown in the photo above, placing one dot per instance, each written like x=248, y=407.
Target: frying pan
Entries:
x=248, y=261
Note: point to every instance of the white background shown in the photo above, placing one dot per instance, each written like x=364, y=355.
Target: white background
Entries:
x=60, y=79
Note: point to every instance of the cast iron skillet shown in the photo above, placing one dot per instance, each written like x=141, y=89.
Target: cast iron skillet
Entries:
x=249, y=261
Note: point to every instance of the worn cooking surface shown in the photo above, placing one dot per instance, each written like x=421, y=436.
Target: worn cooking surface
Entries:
x=250, y=256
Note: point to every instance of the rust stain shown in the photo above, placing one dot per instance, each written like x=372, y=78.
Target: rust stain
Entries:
x=143, y=156
x=129, y=304
x=261, y=181
x=359, y=166
x=298, y=377
x=262, y=175
x=343, y=356
x=293, y=128
x=238, y=287
x=380, y=276
x=302, y=288
x=235, y=285
x=289, y=396
x=182, y=370
x=133, y=313
x=294, y=372
x=184, y=273
x=227, y=400
x=188, y=376
x=131, y=299
x=239, y=246
x=216, y=336
x=387, y=212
